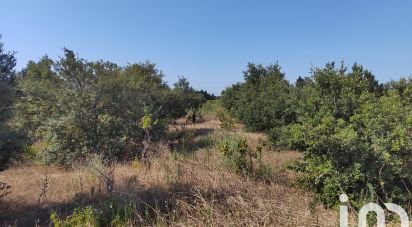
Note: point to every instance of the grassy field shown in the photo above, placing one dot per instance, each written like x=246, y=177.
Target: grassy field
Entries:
x=188, y=185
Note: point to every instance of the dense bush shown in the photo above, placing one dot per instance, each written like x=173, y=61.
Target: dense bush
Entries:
x=10, y=138
x=188, y=100
x=265, y=101
x=72, y=107
x=355, y=133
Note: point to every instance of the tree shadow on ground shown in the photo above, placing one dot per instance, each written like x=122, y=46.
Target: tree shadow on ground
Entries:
x=159, y=202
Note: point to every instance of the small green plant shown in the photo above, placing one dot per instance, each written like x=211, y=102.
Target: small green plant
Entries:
x=235, y=151
x=85, y=216
x=110, y=213
x=240, y=158
x=226, y=120
x=147, y=123
x=136, y=163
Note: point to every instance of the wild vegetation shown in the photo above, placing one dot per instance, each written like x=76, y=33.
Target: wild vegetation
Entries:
x=193, y=184
x=92, y=143
x=70, y=108
x=355, y=133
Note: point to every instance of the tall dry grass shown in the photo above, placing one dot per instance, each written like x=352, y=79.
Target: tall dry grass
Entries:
x=180, y=189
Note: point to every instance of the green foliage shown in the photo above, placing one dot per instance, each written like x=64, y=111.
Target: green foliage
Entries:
x=86, y=216
x=11, y=140
x=265, y=101
x=288, y=137
x=243, y=160
x=211, y=106
x=7, y=64
x=76, y=107
x=356, y=140
x=235, y=150
x=225, y=118
x=403, y=88
x=355, y=133
x=207, y=95
x=110, y=213
x=147, y=122
x=189, y=100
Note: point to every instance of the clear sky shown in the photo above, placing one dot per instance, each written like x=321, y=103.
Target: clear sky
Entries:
x=211, y=41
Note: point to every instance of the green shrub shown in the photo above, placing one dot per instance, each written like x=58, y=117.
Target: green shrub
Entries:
x=264, y=101
x=355, y=133
x=359, y=146
x=11, y=140
x=289, y=137
x=235, y=151
x=226, y=120
x=109, y=213
x=244, y=161
x=78, y=108
x=86, y=216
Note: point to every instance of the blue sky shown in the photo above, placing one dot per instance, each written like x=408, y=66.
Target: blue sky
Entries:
x=210, y=42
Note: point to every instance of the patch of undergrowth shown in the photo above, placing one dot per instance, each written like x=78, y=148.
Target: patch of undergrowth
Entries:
x=243, y=160
x=84, y=216
x=355, y=132
x=211, y=106
x=110, y=213
x=225, y=118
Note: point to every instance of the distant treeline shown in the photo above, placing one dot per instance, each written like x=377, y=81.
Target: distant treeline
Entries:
x=355, y=133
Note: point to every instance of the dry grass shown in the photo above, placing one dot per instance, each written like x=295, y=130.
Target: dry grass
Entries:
x=179, y=190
